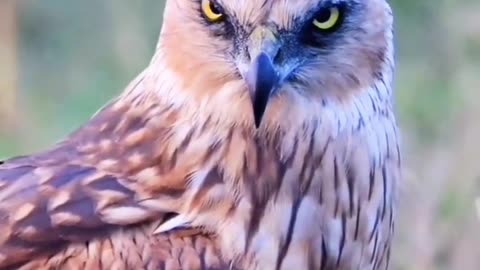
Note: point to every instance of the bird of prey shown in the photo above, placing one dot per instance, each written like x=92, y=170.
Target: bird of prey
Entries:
x=262, y=135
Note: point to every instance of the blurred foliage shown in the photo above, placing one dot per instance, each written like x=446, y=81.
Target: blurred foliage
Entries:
x=73, y=57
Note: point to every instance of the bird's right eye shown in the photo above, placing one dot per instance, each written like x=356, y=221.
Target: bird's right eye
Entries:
x=212, y=11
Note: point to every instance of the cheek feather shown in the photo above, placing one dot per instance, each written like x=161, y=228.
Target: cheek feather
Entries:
x=202, y=64
x=186, y=60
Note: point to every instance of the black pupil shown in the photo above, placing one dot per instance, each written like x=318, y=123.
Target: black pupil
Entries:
x=323, y=15
x=214, y=8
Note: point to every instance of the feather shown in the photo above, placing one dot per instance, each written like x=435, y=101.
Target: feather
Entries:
x=178, y=221
x=174, y=173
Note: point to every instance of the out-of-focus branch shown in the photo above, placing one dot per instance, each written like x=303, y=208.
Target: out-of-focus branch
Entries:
x=8, y=62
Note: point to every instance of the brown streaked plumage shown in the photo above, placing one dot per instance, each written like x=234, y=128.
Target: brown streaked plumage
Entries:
x=250, y=142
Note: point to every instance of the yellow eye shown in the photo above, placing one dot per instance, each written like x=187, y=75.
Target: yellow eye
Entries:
x=212, y=10
x=327, y=18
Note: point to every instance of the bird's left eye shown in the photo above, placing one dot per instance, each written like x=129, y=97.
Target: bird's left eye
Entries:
x=327, y=18
x=212, y=10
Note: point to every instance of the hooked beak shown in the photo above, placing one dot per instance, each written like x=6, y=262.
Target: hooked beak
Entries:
x=262, y=78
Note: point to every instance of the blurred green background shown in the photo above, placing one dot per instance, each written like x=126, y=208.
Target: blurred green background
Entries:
x=60, y=62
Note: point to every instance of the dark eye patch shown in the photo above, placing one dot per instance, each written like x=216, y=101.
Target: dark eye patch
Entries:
x=224, y=28
x=312, y=36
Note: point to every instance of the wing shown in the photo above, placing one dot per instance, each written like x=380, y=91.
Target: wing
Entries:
x=78, y=217
x=136, y=249
x=123, y=167
x=44, y=207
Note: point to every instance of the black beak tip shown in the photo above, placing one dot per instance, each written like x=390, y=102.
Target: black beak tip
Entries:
x=264, y=80
x=258, y=118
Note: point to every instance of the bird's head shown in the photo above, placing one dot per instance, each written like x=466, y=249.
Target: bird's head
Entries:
x=284, y=58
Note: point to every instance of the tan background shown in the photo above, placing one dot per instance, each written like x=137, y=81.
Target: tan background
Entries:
x=59, y=62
